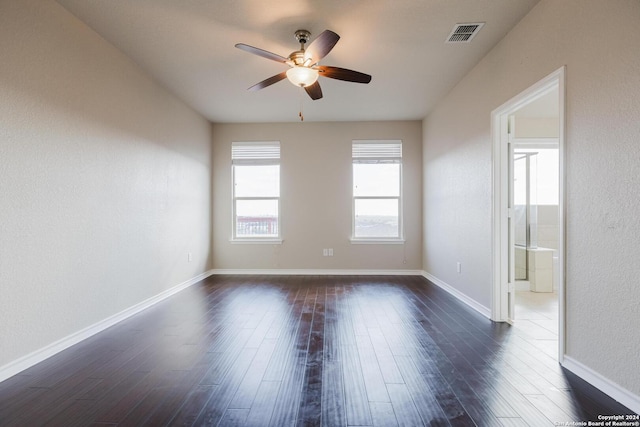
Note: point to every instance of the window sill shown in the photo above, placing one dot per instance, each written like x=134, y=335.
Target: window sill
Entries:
x=360, y=241
x=266, y=241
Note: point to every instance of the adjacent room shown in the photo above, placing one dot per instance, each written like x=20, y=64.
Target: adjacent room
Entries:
x=319, y=213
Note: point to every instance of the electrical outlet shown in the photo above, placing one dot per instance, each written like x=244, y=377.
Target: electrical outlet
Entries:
x=325, y=252
x=189, y=257
x=459, y=267
x=330, y=251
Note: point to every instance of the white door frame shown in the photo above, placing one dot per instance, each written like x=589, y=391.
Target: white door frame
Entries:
x=501, y=276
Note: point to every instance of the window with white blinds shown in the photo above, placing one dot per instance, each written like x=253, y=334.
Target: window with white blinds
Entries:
x=377, y=190
x=376, y=151
x=255, y=152
x=256, y=190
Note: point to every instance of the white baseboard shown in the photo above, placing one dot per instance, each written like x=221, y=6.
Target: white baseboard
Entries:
x=485, y=311
x=319, y=272
x=608, y=387
x=25, y=362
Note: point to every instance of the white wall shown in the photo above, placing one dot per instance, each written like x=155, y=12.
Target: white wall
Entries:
x=104, y=181
x=599, y=45
x=536, y=127
x=548, y=226
x=316, y=197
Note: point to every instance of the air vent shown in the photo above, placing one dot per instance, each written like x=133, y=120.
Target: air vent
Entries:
x=464, y=33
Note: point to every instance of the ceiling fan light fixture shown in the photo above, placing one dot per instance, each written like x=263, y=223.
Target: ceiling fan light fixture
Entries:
x=302, y=76
x=304, y=64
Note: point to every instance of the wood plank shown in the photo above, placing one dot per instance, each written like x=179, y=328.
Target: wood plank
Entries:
x=358, y=411
x=382, y=414
x=309, y=412
x=262, y=407
x=403, y=406
x=373, y=380
x=513, y=422
x=138, y=395
x=428, y=405
x=215, y=408
x=288, y=402
x=280, y=361
x=193, y=405
x=52, y=401
x=225, y=359
x=249, y=386
x=549, y=408
x=16, y=407
x=304, y=350
x=234, y=418
x=333, y=396
x=386, y=361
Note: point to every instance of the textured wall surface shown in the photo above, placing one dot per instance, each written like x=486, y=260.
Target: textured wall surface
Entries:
x=316, y=193
x=598, y=44
x=104, y=180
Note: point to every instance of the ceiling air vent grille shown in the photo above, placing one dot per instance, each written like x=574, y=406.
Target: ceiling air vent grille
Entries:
x=464, y=33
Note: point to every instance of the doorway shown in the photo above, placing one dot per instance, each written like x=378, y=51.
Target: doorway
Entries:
x=536, y=235
x=528, y=210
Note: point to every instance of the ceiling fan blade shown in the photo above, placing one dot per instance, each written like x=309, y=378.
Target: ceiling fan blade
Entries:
x=314, y=91
x=261, y=52
x=343, y=74
x=321, y=46
x=268, y=82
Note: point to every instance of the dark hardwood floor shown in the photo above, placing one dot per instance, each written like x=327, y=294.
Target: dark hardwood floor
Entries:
x=303, y=351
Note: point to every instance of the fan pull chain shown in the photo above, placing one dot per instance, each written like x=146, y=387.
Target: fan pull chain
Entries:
x=300, y=113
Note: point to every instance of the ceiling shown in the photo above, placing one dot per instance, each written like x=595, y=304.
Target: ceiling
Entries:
x=188, y=47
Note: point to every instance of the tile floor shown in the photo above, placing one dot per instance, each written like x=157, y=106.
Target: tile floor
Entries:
x=536, y=314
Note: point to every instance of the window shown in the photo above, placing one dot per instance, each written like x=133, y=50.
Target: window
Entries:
x=377, y=190
x=256, y=190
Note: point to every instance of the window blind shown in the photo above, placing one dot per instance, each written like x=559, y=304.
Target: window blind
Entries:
x=255, y=152
x=367, y=151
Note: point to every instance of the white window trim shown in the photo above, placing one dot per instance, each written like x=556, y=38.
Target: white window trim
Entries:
x=265, y=240
x=399, y=240
x=376, y=241
x=254, y=161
